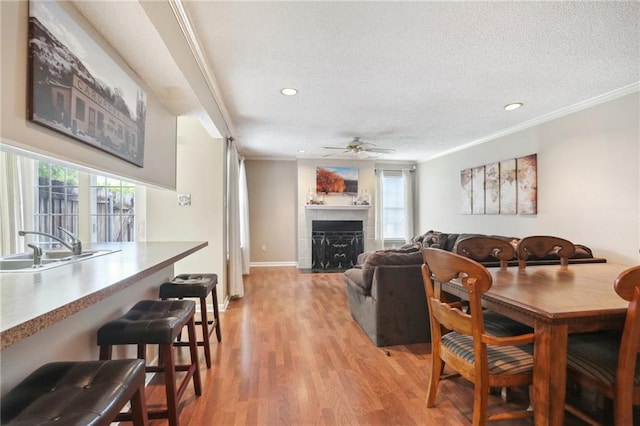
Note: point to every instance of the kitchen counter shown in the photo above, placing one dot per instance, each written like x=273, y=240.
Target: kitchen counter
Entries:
x=33, y=301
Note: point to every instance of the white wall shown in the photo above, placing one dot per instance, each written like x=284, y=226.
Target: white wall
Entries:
x=16, y=130
x=588, y=181
x=201, y=169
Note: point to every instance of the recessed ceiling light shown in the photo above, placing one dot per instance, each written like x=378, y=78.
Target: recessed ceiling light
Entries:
x=289, y=91
x=302, y=151
x=511, y=107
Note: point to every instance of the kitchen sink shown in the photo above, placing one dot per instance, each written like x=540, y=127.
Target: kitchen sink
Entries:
x=23, y=262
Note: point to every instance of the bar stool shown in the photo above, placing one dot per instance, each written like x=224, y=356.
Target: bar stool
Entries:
x=157, y=322
x=77, y=393
x=197, y=286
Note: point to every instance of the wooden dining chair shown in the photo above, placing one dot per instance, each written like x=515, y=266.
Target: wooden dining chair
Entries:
x=542, y=246
x=608, y=362
x=459, y=340
x=481, y=247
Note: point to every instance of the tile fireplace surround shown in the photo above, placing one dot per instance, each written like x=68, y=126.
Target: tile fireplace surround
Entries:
x=309, y=213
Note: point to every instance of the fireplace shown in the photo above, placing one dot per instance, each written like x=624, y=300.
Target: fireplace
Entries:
x=335, y=244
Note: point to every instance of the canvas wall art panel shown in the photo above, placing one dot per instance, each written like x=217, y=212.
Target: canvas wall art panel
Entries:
x=492, y=188
x=508, y=187
x=477, y=183
x=77, y=89
x=527, y=184
x=465, y=191
x=337, y=180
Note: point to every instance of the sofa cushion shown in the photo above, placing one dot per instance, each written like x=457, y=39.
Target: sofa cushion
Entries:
x=435, y=239
x=379, y=258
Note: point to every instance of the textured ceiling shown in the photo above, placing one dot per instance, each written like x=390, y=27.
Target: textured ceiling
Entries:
x=419, y=77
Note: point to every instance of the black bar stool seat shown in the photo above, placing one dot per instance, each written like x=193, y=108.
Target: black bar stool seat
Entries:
x=147, y=322
x=197, y=286
x=157, y=322
x=77, y=393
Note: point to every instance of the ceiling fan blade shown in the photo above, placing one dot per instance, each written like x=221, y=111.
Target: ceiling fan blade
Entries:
x=333, y=147
x=380, y=150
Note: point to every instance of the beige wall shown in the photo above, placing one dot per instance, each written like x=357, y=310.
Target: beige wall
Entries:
x=201, y=169
x=272, y=187
x=588, y=183
x=160, y=141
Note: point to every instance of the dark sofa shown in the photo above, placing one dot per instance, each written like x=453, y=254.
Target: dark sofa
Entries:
x=386, y=293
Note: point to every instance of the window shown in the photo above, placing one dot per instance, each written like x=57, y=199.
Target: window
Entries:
x=56, y=201
x=80, y=109
x=92, y=121
x=100, y=120
x=112, y=210
x=393, y=206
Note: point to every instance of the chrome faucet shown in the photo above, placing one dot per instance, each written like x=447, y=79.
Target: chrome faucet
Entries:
x=37, y=255
x=75, y=245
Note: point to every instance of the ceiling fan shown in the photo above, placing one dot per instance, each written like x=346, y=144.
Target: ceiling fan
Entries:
x=357, y=147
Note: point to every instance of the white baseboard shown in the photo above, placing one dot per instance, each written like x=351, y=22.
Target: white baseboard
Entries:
x=271, y=264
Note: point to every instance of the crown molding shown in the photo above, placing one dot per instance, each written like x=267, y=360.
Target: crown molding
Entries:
x=588, y=103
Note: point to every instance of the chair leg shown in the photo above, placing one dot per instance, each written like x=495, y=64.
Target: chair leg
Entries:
x=105, y=352
x=205, y=331
x=216, y=314
x=142, y=352
x=436, y=370
x=139, y=415
x=168, y=366
x=193, y=349
x=480, y=402
x=623, y=409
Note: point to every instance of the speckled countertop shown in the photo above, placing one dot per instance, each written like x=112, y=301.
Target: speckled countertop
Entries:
x=30, y=302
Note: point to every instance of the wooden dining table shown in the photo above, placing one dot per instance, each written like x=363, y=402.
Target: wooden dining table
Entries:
x=555, y=301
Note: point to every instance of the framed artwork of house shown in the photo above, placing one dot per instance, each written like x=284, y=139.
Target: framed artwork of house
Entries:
x=77, y=89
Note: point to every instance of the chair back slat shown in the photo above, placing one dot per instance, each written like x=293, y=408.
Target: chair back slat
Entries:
x=451, y=318
x=542, y=246
x=480, y=247
x=443, y=266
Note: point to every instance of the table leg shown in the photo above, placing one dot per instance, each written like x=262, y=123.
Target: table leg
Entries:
x=549, y=373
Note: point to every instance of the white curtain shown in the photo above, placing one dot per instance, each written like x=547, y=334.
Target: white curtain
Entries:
x=244, y=218
x=16, y=193
x=236, y=286
x=407, y=178
x=379, y=237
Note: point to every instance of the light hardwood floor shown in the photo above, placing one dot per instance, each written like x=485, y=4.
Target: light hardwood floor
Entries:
x=292, y=355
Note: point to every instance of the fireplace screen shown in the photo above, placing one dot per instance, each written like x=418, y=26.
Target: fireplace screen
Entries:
x=336, y=244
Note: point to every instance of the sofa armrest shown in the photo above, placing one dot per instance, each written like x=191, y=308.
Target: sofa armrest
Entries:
x=353, y=278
